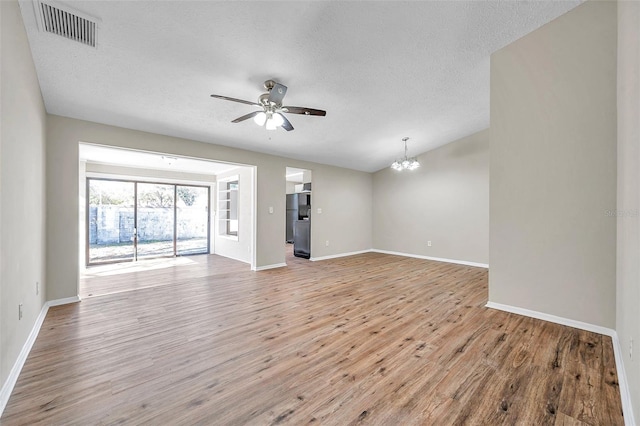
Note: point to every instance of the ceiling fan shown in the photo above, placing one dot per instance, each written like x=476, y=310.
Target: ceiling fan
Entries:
x=272, y=112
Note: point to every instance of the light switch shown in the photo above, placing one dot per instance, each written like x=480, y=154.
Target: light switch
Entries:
x=319, y=210
x=270, y=210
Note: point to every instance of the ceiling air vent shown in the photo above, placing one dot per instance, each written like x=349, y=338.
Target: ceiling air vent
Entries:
x=61, y=21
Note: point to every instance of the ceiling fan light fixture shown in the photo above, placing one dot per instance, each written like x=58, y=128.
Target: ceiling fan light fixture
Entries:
x=272, y=110
x=260, y=118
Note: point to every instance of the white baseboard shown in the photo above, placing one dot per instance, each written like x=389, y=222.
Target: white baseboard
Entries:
x=64, y=301
x=551, y=318
x=623, y=385
x=437, y=259
x=273, y=266
x=335, y=256
x=9, y=384
x=234, y=258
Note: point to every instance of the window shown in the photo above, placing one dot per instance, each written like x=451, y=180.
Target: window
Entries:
x=228, y=206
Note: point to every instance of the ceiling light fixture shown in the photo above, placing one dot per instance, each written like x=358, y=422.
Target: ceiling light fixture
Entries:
x=405, y=163
x=169, y=160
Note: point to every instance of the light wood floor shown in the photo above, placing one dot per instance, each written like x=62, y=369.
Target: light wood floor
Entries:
x=368, y=339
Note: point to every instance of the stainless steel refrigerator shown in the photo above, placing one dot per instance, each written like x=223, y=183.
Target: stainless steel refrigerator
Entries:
x=302, y=238
x=298, y=210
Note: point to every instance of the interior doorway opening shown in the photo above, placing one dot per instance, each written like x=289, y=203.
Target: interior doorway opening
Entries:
x=298, y=212
x=147, y=211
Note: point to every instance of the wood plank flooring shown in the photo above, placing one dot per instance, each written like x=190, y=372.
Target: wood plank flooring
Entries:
x=367, y=339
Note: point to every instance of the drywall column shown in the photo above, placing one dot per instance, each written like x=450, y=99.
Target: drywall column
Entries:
x=552, y=243
x=628, y=211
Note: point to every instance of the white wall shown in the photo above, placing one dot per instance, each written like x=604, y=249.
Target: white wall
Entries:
x=291, y=188
x=169, y=176
x=445, y=201
x=238, y=248
x=343, y=194
x=22, y=195
x=553, y=168
x=628, y=248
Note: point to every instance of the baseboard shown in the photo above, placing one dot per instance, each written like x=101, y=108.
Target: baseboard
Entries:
x=437, y=259
x=551, y=318
x=9, y=384
x=335, y=256
x=273, y=266
x=65, y=301
x=234, y=258
x=623, y=385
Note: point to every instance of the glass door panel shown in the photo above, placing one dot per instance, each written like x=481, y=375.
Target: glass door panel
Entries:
x=111, y=219
x=192, y=220
x=155, y=219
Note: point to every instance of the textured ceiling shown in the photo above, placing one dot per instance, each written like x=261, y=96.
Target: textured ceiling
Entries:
x=382, y=70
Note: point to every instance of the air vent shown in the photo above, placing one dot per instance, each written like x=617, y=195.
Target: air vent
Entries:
x=68, y=24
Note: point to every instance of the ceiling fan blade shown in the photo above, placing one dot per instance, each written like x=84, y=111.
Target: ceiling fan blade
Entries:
x=276, y=94
x=246, y=116
x=286, y=124
x=227, y=98
x=304, y=111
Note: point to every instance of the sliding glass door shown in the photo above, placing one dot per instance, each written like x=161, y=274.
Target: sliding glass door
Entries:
x=127, y=220
x=155, y=219
x=192, y=219
x=111, y=220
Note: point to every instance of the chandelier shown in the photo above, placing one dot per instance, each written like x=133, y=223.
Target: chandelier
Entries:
x=405, y=163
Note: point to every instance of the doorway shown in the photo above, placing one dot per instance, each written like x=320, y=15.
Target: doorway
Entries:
x=298, y=213
x=130, y=219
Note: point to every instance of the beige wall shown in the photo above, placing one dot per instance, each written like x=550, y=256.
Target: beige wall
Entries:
x=345, y=200
x=628, y=271
x=553, y=168
x=332, y=185
x=22, y=201
x=445, y=201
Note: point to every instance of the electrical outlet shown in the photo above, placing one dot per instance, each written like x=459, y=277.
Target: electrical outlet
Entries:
x=270, y=210
x=20, y=311
x=326, y=243
x=631, y=349
x=428, y=243
x=37, y=288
